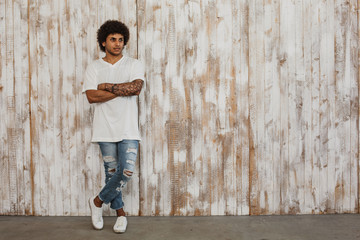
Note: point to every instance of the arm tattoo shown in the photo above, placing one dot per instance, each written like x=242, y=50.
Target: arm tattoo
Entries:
x=125, y=89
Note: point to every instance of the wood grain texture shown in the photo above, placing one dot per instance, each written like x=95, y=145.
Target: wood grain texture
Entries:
x=249, y=107
x=3, y=153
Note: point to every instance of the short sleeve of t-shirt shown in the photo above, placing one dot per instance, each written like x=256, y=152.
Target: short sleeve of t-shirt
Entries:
x=90, y=82
x=137, y=71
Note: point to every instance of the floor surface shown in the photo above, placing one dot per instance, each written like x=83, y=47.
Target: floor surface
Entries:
x=310, y=227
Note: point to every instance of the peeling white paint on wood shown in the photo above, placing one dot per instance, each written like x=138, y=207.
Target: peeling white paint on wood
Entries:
x=250, y=107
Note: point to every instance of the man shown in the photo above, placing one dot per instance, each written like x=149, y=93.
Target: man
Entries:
x=112, y=84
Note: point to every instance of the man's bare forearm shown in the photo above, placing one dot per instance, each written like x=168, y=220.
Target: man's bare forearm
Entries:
x=123, y=89
x=99, y=96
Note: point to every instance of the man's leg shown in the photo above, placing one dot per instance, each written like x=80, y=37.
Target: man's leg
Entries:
x=109, y=155
x=126, y=158
x=127, y=153
x=110, y=159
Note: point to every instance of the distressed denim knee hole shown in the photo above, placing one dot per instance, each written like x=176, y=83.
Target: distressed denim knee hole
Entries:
x=122, y=185
x=127, y=173
x=131, y=162
x=109, y=159
x=132, y=150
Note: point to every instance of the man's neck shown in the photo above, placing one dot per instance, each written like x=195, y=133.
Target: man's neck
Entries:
x=112, y=59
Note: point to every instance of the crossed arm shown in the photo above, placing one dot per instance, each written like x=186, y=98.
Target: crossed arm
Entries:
x=108, y=91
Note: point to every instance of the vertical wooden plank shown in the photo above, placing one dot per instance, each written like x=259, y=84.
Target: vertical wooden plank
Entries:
x=189, y=33
x=235, y=118
x=145, y=204
x=22, y=119
x=300, y=88
x=332, y=103
x=3, y=153
x=45, y=112
x=50, y=131
x=68, y=61
x=253, y=175
x=268, y=105
x=58, y=173
x=342, y=108
x=54, y=157
x=294, y=104
x=176, y=115
x=272, y=106
x=358, y=29
x=323, y=109
x=25, y=68
x=34, y=131
x=260, y=107
x=182, y=104
x=276, y=100
x=223, y=178
x=354, y=105
x=7, y=80
x=166, y=172
x=307, y=113
x=207, y=113
x=212, y=108
x=345, y=112
x=193, y=74
x=76, y=13
x=67, y=169
x=315, y=93
x=268, y=88
x=171, y=204
x=231, y=109
x=284, y=90
x=11, y=111
x=37, y=110
x=243, y=188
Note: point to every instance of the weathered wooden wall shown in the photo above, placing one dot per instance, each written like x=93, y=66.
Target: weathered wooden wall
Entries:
x=250, y=107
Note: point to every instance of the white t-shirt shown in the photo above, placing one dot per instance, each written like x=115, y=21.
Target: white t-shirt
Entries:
x=117, y=119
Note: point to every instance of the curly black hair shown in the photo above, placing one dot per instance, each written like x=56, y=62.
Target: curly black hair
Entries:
x=111, y=27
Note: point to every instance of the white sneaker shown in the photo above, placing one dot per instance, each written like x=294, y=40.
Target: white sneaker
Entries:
x=96, y=215
x=120, y=225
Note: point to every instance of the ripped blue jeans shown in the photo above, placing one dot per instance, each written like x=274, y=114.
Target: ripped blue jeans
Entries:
x=119, y=163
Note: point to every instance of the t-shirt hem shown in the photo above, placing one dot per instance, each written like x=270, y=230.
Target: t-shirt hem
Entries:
x=95, y=140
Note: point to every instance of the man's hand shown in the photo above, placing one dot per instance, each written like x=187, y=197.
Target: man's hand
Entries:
x=101, y=86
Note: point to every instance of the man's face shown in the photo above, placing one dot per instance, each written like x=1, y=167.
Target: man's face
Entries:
x=114, y=44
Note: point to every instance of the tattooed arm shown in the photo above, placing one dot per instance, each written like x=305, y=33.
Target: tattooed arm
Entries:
x=123, y=89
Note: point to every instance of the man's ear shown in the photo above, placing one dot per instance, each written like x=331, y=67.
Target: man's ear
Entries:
x=103, y=44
